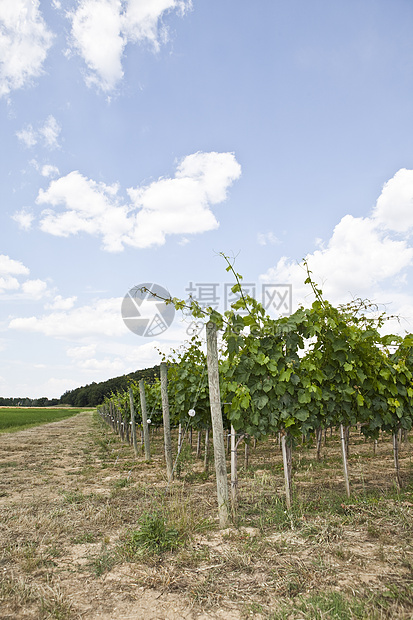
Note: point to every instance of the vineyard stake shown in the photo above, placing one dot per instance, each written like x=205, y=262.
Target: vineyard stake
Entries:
x=166, y=421
x=396, y=459
x=133, y=429
x=206, y=454
x=144, y=421
x=286, y=451
x=217, y=425
x=344, y=454
x=234, y=473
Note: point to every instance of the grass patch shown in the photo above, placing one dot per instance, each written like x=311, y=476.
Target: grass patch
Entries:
x=155, y=536
x=19, y=418
x=103, y=562
x=322, y=606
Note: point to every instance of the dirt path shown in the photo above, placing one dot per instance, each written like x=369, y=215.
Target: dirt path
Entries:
x=56, y=515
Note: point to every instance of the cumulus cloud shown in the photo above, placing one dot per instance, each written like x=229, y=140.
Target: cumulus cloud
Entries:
x=49, y=171
x=102, y=28
x=103, y=317
x=27, y=136
x=23, y=218
x=9, y=266
x=96, y=33
x=61, y=303
x=8, y=283
x=82, y=352
x=13, y=277
x=179, y=205
x=365, y=257
x=34, y=288
x=113, y=357
x=24, y=43
x=394, y=208
x=47, y=133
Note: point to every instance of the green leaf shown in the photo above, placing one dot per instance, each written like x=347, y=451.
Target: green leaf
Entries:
x=262, y=401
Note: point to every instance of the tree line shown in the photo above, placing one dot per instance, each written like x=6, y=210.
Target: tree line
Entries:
x=89, y=395
x=95, y=393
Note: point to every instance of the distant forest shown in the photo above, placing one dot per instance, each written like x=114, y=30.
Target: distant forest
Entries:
x=87, y=395
x=28, y=402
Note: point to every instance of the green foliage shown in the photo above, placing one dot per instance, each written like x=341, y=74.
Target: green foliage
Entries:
x=188, y=385
x=154, y=536
x=320, y=367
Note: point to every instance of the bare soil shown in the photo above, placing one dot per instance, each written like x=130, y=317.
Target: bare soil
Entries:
x=71, y=496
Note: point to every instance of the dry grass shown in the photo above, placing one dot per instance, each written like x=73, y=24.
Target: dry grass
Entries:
x=72, y=499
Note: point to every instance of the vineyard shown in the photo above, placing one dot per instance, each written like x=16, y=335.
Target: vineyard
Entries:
x=266, y=474
x=294, y=378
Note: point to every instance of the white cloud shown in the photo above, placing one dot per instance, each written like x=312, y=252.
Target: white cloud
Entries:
x=34, y=288
x=49, y=171
x=9, y=266
x=114, y=357
x=8, y=283
x=107, y=364
x=61, y=303
x=141, y=19
x=102, y=28
x=364, y=257
x=47, y=133
x=267, y=238
x=13, y=277
x=82, y=352
x=27, y=136
x=50, y=132
x=24, y=219
x=54, y=387
x=24, y=43
x=100, y=318
x=394, y=208
x=179, y=205
x=96, y=32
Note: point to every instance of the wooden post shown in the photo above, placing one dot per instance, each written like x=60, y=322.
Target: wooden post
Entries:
x=319, y=437
x=396, y=458
x=179, y=438
x=344, y=454
x=206, y=455
x=144, y=421
x=133, y=420
x=217, y=425
x=246, y=455
x=347, y=436
x=234, y=473
x=198, y=445
x=286, y=450
x=166, y=421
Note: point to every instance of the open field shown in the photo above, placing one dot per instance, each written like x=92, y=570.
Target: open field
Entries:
x=89, y=531
x=18, y=418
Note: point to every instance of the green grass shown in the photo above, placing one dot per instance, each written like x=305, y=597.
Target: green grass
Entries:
x=19, y=418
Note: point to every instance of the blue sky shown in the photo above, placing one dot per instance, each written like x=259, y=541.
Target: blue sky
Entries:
x=140, y=138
